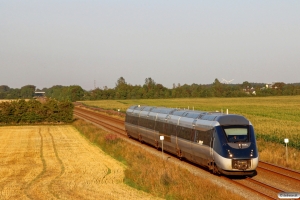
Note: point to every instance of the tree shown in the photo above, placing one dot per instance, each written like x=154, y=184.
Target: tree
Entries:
x=120, y=82
x=218, y=88
x=76, y=93
x=149, y=83
x=246, y=84
x=4, y=88
x=27, y=92
x=121, y=89
x=278, y=85
x=3, y=91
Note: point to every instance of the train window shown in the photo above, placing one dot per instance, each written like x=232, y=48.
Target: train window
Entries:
x=171, y=128
x=193, y=115
x=156, y=110
x=167, y=129
x=158, y=126
x=174, y=127
x=203, y=137
x=178, y=113
x=143, y=122
x=185, y=133
x=147, y=108
x=237, y=133
x=201, y=116
x=209, y=117
x=135, y=120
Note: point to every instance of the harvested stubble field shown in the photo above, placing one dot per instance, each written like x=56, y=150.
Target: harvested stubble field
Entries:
x=56, y=162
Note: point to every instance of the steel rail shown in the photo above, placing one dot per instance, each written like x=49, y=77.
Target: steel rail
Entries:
x=103, y=124
x=274, y=189
x=78, y=109
x=263, y=194
x=289, y=173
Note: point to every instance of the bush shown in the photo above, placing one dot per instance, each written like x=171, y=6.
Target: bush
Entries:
x=33, y=111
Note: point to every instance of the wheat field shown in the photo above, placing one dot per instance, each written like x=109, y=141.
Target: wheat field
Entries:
x=274, y=118
x=56, y=162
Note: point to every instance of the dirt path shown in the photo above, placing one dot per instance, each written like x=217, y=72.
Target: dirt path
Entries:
x=56, y=162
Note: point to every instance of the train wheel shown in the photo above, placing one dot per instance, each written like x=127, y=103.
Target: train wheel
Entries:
x=179, y=154
x=210, y=165
x=156, y=144
x=215, y=169
x=140, y=138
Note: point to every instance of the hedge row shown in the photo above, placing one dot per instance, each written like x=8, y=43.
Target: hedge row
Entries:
x=33, y=111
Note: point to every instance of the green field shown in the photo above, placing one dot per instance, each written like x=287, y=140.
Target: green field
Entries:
x=274, y=118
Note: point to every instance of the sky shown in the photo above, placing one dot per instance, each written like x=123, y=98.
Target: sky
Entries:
x=94, y=43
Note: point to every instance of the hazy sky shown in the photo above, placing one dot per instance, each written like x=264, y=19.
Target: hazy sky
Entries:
x=69, y=42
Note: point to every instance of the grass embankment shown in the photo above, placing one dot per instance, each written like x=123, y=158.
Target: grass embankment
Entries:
x=148, y=173
x=274, y=118
x=275, y=153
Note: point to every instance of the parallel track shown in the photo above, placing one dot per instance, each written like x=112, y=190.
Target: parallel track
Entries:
x=286, y=173
x=265, y=190
x=94, y=119
x=102, y=116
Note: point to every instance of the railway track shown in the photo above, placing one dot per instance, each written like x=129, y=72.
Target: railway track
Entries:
x=102, y=116
x=102, y=121
x=292, y=175
x=264, y=190
x=257, y=184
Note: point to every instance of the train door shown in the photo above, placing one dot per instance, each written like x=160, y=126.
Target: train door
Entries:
x=212, y=139
x=172, y=132
x=167, y=134
x=198, y=148
x=184, y=137
x=155, y=133
x=176, y=130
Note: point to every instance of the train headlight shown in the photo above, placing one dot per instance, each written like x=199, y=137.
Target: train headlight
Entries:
x=230, y=154
x=251, y=153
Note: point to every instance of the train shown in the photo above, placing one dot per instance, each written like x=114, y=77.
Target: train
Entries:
x=223, y=143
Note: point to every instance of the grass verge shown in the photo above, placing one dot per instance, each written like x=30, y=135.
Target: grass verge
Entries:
x=276, y=154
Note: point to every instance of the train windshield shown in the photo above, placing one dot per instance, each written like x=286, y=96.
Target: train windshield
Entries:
x=236, y=133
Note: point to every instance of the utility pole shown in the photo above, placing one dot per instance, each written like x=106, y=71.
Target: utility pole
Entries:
x=162, y=145
x=286, y=141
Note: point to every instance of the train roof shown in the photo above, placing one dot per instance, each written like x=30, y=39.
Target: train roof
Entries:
x=222, y=118
x=163, y=110
x=232, y=120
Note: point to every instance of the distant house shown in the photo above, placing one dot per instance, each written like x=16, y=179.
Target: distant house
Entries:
x=271, y=85
x=39, y=94
x=249, y=90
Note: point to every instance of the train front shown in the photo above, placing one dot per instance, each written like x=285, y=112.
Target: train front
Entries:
x=235, y=149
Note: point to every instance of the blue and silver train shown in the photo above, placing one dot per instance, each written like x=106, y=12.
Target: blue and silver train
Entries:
x=224, y=143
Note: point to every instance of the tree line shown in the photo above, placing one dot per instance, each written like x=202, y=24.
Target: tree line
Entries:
x=33, y=111
x=152, y=90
